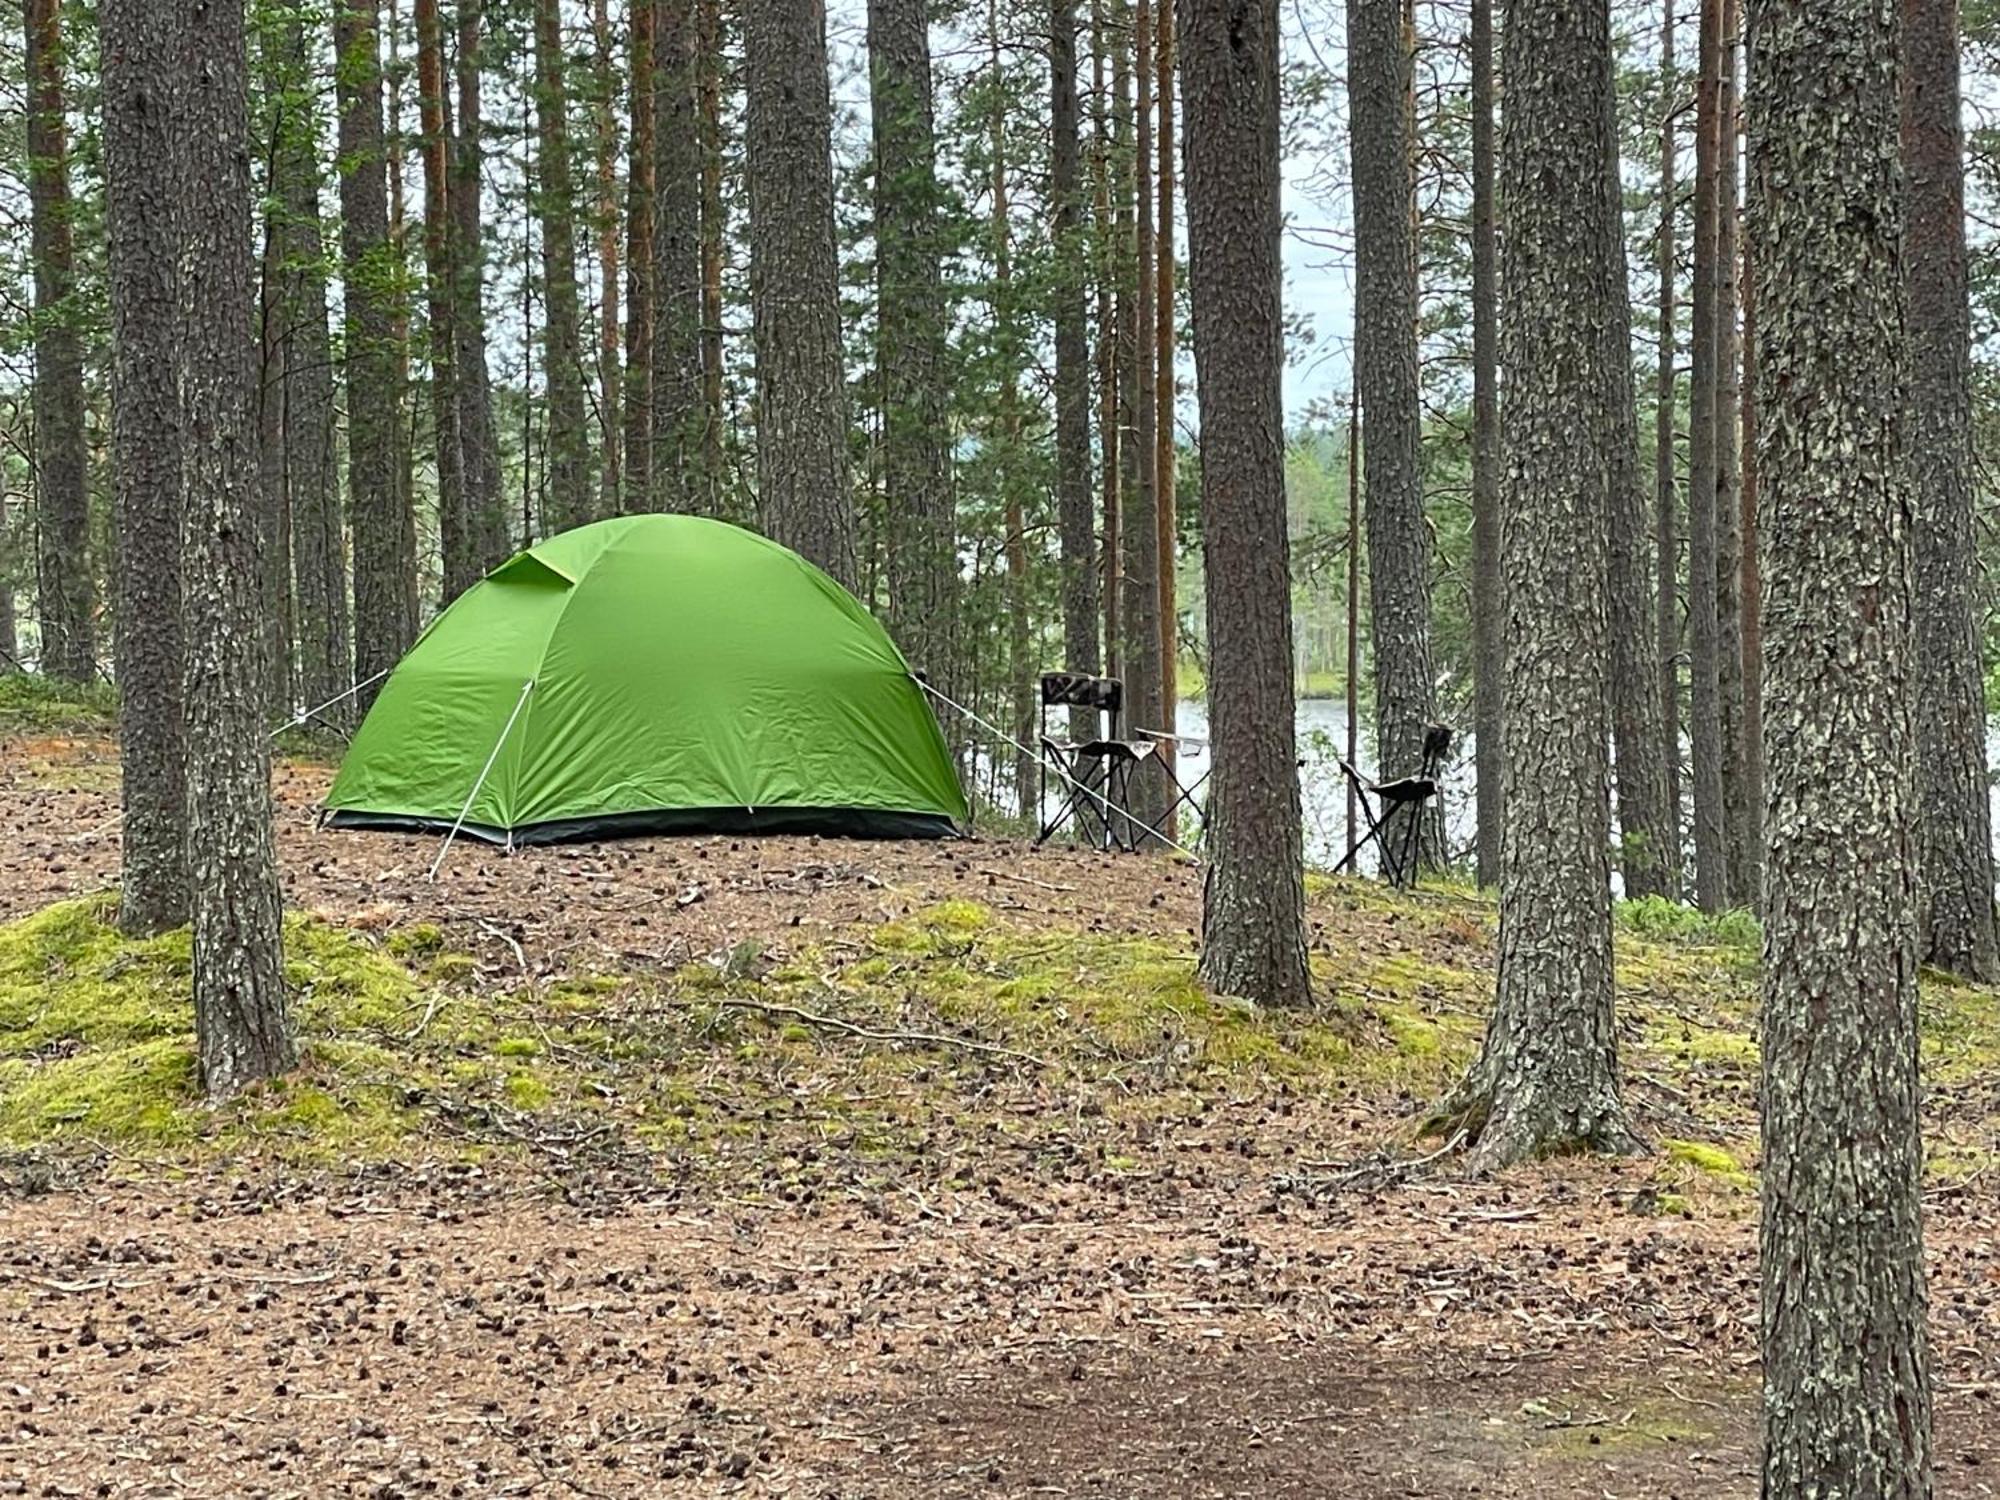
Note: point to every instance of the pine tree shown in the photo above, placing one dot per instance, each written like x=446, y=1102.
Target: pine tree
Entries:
x=384, y=530
x=1488, y=641
x=1666, y=536
x=62, y=502
x=912, y=319
x=1385, y=357
x=1847, y=1407
x=1711, y=828
x=1138, y=528
x=1954, y=817
x=1647, y=830
x=680, y=482
x=1740, y=816
x=242, y=1016
x=297, y=329
x=456, y=540
x=795, y=286
x=571, y=497
x=641, y=177
x=478, y=437
x=1253, y=940
x=142, y=45
x=1075, y=499
x=1547, y=1077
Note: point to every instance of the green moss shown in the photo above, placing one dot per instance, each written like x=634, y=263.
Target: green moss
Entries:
x=1709, y=1160
x=1666, y=921
x=33, y=704
x=417, y=941
x=526, y=1091
x=517, y=1046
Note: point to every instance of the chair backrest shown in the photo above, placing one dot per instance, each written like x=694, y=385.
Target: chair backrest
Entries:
x=1081, y=690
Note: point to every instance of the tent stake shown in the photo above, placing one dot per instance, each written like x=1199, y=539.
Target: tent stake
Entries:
x=484, y=771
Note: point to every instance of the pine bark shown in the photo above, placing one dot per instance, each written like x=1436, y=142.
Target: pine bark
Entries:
x=795, y=286
x=610, y=325
x=274, y=513
x=1166, y=517
x=298, y=302
x=1104, y=268
x=242, y=1013
x=1123, y=269
x=641, y=179
x=1006, y=439
x=456, y=541
x=1075, y=498
x=911, y=325
x=1647, y=834
x=679, y=413
x=396, y=293
x=1546, y=1079
x=1667, y=526
x=1739, y=814
x=1488, y=639
x=142, y=44
x=1253, y=939
x=1139, y=526
x=479, y=438
x=384, y=530
x=571, y=494
x=1385, y=339
x=63, y=577
x=714, y=238
x=1711, y=828
x=1955, y=835
x=1847, y=1403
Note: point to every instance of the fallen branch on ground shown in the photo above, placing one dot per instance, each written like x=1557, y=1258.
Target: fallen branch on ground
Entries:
x=834, y=1023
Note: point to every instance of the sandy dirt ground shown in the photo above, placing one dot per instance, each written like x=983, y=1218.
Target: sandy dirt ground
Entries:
x=1253, y=1311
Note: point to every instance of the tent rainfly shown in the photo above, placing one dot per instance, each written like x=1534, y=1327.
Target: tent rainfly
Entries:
x=652, y=674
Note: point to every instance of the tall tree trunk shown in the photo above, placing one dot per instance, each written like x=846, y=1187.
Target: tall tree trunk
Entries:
x=1955, y=836
x=1385, y=337
x=456, y=540
x=63, y=585
x=610, y=327
x=274, y=511
x=1646, y=825
x=641, y=180
x=1711, y=828
x=570, y=490
x=1739, y=816
x=142, y=45
x=714, y=236
x=795, y=286
x=1750, y=597
x=1021, y=669
x=1122, y=266
x=1253, y=940
x=1166, y=519
x=1139, y=527
x=395, y=291
x=385, y=621
x=479, y=439
x=1488, y=641
x=1847, y=1407
x=679, y=414
x=1547, y=1077
x=297, y=303
x=1075, y=498
x=1104, y=272
x=912, y=319
x=1667, y=537
x=242, y=1021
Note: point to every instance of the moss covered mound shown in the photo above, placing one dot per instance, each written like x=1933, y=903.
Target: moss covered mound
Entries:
x=952, y=1032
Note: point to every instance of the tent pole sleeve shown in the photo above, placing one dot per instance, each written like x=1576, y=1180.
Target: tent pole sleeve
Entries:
x=484, y=771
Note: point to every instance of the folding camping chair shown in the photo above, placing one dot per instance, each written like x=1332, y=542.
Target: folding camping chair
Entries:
x=1184, y=792
x=1402, y=847
x=1096, y=773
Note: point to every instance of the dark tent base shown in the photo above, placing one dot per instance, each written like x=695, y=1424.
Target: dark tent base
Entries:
x=832, y=822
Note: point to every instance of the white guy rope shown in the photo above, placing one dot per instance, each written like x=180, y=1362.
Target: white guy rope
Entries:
x=313, y=713
x=1042, y=760
x=484, y=771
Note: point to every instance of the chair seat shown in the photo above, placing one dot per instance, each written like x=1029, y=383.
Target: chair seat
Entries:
x=1105, y=749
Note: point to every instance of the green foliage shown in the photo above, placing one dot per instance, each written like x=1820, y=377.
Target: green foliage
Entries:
x=31, y=704
x=1670, y=922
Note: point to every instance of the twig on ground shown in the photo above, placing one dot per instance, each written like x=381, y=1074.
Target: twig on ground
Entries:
x=1040, y=885
x=834, y=1023
x=1389, y=1171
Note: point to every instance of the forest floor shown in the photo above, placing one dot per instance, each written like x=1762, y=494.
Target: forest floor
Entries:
x=829, y=1169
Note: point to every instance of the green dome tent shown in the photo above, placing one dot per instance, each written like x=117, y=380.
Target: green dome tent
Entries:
x=652, y=674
